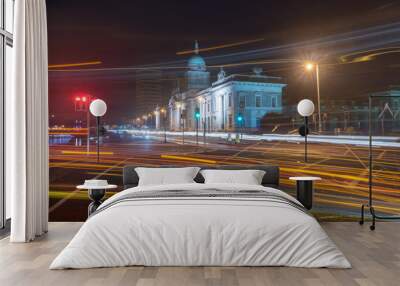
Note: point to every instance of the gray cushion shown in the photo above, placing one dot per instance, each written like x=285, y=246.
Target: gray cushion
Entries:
x=270, y=179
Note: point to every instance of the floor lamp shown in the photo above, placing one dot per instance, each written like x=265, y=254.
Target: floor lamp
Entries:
x=305, y=108
x=98, y=108
x=370, y=168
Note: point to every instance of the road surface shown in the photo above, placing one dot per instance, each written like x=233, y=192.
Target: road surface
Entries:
x=343, y=169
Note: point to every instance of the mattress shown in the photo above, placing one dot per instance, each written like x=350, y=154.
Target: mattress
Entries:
x=201, y=225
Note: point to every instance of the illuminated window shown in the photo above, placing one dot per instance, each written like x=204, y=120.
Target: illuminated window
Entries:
x=242, y=101
x=258, y=100
x=274, y=101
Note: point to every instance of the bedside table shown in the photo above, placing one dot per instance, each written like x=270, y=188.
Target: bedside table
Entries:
x=305, y=190
x=96, y=194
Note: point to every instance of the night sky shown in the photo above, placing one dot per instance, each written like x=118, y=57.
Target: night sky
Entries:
x=136, y=33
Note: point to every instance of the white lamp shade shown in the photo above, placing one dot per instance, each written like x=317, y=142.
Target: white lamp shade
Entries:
x=98, y=108
x=305, y=107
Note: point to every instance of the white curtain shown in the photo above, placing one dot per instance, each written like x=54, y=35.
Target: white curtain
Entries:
x=27, y=124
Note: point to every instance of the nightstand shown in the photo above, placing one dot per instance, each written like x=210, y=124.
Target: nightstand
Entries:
x=96, y=194
x=305, y=190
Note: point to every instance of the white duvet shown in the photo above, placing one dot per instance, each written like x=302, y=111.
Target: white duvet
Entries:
x=206, y=231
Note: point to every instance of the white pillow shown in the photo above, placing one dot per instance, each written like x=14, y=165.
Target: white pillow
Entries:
x=166, y=176
x=248, y=177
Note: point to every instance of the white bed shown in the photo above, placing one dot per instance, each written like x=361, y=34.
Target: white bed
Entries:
x=202, y=231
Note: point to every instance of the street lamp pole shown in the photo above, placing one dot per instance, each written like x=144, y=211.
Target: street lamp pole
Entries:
x=98, y=138
x=197, y=116
x=165, y=128
x=305, y=108
x=318, y=99
x=305, y=137
x=197, y=131
x=88, y=127
x=182, y=123
x=309, y=67
x=164, y=116
x=204, y=122
x=204, y=131
x=98, y=108
x=183, y=129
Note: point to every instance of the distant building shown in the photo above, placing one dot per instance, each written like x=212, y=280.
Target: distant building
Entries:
x=393, y=102
x=353, y=114
x=347, y=116
x=230, y=103
x=148, y=91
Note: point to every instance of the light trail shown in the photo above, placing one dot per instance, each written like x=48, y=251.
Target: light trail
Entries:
x=78, y=195
x=316, y=172
x=68, y=133
x=183, y=67
x=174, y=157
x=108, y=174
x=369, y=55
x=85, y=153
x=338, y=196
x=220, y=46
x=75, y=64
x=357, y=205
x=368, y=39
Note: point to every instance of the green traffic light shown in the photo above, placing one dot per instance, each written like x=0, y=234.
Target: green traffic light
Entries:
x=197, y=115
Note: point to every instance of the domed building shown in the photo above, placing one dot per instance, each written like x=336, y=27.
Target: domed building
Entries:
x=231, y=103
x=197, y=76
x=197, y=63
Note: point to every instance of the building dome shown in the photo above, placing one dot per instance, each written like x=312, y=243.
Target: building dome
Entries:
x=197, y=63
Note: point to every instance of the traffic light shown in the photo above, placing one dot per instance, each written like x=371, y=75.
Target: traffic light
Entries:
x=240, y=118
x=303, y=130
x=81, y=102
x=103, y=131
x=197, y=113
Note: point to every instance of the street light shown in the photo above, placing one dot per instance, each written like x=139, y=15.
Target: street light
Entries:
x=164, y=115
x=305, y=108
x=197, y=117
x=98, y=108
x=240, y=121
x=181, y=120
x=309, y=66
x=81, y=104
x=150, y=121
x=202, y=101
x=144, y=117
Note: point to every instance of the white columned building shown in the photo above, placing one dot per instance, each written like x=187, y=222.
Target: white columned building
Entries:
x=232, y=102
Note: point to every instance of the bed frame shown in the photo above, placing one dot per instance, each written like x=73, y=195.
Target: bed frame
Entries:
x=271, y=177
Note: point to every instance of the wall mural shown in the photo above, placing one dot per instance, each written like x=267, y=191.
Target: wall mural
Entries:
x=228, y=98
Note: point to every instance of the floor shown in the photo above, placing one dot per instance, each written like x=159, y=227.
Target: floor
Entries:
x=375, y=257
